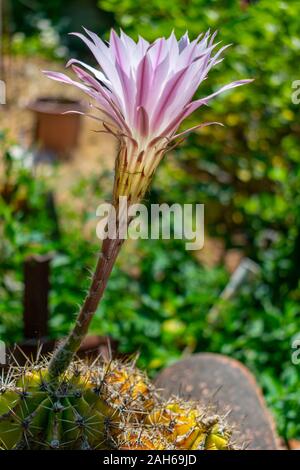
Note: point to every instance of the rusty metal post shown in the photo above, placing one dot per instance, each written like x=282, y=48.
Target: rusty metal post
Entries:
x=36, y=293
x=36, y=315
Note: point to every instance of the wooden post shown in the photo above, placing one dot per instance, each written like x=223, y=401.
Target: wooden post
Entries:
x=36, y=292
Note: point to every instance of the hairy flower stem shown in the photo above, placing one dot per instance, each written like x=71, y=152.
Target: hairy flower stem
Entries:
x=133, y=188
x=65, y=352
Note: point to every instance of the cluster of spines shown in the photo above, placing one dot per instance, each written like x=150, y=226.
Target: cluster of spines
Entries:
x=100, y=406
x=86, y=408
x=178, y=425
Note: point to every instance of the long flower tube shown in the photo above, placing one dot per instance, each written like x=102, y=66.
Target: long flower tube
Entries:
x=141, y=93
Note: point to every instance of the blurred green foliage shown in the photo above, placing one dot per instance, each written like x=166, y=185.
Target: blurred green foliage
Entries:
x=39, y=28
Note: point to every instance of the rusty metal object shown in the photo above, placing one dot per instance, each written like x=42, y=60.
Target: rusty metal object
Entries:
x=55, y=132
x=35, y=317
x=294, y=444
x=230, y=388
x=92, y=347
x=36, y=291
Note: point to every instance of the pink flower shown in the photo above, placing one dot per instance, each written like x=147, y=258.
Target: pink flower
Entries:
x=144, y=92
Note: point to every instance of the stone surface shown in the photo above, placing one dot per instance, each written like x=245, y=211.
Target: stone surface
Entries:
x=228, y=387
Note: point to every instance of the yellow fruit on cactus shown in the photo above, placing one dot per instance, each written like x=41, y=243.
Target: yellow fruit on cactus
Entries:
x=177, y=425
x=187, y=426
x=142, y=439
x=129, y=383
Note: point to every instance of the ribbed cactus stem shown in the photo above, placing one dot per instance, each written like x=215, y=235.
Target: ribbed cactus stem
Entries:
x=65, y=352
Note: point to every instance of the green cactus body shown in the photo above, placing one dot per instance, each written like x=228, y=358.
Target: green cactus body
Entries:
x=102, y=406
x=84, y=409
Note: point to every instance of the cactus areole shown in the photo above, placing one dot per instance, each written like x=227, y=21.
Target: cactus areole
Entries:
x=141, y=92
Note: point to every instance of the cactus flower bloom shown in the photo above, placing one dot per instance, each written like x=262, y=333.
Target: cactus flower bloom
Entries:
x=144, y=91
